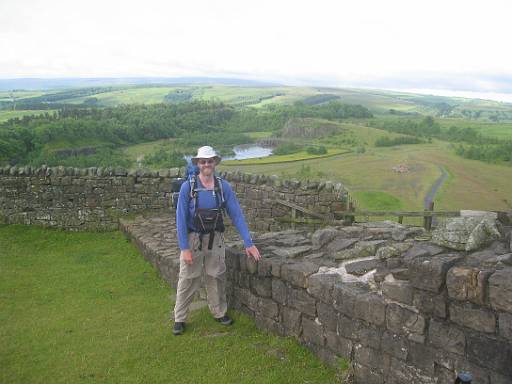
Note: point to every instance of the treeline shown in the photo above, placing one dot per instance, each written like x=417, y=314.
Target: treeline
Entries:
x=426, y=127
x=390, y=142
x=128, y=124
x=491, y=153
x=332, y=110
x=52, y=100
x=429, y=128
x=192, y=123
x=165, y=158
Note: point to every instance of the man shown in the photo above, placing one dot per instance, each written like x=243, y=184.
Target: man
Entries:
x=200, y=230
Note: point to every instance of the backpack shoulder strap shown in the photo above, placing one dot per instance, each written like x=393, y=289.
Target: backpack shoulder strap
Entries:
x=220, y=188
x=193, y=189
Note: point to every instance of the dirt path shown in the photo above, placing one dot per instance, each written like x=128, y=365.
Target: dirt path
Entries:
x=435, y=187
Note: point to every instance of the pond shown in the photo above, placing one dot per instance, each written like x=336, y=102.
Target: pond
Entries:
x=249, y=151
x=245, y=151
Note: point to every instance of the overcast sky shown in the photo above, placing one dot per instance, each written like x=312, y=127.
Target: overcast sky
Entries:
x=437, y=44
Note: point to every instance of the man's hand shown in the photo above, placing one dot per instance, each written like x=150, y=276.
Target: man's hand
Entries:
x=253, y=252
x=186, y=256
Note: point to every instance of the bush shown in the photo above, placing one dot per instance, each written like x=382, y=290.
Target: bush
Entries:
x=287, y=149
x=317, y=150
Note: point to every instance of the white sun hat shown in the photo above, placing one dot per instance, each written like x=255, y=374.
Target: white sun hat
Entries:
x=206, y=152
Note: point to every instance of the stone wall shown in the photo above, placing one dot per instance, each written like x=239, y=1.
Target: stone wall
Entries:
x=400, y=308
x=383, y=296
x=95, y=198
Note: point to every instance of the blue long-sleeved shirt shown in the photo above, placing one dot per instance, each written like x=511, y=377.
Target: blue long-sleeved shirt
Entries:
x=207, y=199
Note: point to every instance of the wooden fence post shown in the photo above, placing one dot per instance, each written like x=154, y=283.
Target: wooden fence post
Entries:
x=351, y=208
x=431, y=208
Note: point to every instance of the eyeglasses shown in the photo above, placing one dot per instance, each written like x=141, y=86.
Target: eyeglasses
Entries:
x=205, y=161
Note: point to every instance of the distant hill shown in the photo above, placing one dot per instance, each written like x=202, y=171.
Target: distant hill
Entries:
x=59, y=83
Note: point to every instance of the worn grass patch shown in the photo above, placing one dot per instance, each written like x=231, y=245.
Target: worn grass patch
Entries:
x=377, y=200
x=86, y=307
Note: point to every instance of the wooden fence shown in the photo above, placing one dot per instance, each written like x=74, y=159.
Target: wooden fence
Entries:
x=348, y=216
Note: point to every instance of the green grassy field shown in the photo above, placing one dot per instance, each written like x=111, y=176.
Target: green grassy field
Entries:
x=128, y=95
x=472, y=184
x=138, y=151
x=86, y=307
x=6, y=115
x=498, y=130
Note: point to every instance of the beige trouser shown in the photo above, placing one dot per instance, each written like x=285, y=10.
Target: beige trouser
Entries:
x=214, y=263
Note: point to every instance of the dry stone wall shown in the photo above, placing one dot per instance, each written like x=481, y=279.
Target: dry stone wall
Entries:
x=383, y=296
x=95, y=198
x=399, y=307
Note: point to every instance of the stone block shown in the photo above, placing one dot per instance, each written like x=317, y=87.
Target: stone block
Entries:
x=276, y=267
x=323, y=236
x=446, y=336
x=345, y=297
x=505, y=325
x=368, y=335
x=364, y=374
x=361, y=267
x=327, y=316
x=268, y=308
x=421, y=250
x=299, y=299
x=400, y=373
x=402, y=320
x=370, y=357
x=279, y=291
x=321, y=285
x=466, y=283
x=262, y=286
x=291, y=320
x=312, y=332
x=490, y=352
x=500, y=290
x=338, y=344
x=297, y=274
x=341, y=244
x=430, y=273
x=465, y=233
x=252, y=265
x=267, y=324
x=265, y=267
x=397, y=290
x=421, y=357
x=394, y=345
x=473, y=317
x=430, y=304
x=496, y=378
x=371, y=308
x=348, y=327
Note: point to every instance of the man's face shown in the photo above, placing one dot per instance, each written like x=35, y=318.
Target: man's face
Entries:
x=206, y=166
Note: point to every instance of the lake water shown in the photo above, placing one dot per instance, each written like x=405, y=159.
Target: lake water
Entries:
x=249, y=151
x=245, y=151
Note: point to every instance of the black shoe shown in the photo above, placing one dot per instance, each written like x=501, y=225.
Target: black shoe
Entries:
x=224, y=320
x=179, y=328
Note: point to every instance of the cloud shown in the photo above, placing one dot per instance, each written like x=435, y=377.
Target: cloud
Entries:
x=457, y=44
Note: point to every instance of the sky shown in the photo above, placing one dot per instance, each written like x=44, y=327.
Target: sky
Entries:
x=435, y=45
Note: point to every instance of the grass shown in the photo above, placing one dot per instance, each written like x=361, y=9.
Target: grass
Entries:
x=6, y=115
x=377, y=200
x=128, y=95
x=86, y=307
x=472, y=184
x=259, y=134
x=138, y=151
x=497, y=130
